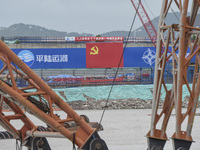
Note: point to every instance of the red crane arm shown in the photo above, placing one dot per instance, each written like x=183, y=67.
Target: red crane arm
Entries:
x=145, y=20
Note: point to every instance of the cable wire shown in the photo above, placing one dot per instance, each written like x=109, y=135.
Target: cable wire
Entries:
x=151, y=12
x=106, y=105
x=175, y=14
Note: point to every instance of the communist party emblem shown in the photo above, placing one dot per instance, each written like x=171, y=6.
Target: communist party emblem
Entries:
x=94, y=50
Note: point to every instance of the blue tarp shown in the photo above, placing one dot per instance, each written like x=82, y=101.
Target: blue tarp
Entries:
x=64, y=76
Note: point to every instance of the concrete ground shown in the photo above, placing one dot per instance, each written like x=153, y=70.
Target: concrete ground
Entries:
x=123, y=129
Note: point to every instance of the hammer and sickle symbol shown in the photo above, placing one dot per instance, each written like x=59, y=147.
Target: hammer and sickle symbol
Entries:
x=94, y=50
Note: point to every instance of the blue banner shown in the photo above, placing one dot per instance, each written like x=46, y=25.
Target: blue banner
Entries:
x=140, y=57
x=62, y=58
x=145, y=56
x=53, y=58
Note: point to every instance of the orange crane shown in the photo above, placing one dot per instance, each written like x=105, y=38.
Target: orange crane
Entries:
x=38, y=99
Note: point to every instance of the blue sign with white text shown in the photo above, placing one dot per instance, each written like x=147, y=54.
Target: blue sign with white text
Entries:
x=62, y=58
x=52, y=58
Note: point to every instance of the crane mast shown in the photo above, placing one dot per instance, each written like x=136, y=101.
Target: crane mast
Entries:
x=181, y=45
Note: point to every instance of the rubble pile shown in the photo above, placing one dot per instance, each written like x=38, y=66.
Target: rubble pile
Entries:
x=135, y=103
x=93, y=104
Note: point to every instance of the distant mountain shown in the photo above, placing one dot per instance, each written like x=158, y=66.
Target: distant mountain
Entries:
x=172, y=18
x=21, y=29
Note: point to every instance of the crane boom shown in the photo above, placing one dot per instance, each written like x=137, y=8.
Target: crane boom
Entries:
x=148, y=25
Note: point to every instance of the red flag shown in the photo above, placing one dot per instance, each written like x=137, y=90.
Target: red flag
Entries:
x=104, y=55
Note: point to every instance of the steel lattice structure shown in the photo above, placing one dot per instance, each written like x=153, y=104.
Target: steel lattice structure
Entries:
x=146, y=21
x=39, y=102
x=182, y=137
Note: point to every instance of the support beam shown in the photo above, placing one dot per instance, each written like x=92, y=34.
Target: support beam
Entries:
x=180, y=63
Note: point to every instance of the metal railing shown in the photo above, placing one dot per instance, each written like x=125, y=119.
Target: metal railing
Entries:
x=25, y=39
x=74, y=77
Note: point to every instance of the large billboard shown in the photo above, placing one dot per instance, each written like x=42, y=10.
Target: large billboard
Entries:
x=104, y=55
x=95, y=55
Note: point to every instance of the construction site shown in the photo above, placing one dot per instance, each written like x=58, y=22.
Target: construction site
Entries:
x=38, y=118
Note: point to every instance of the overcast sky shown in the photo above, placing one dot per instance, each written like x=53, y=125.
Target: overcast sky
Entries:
x=84, y=16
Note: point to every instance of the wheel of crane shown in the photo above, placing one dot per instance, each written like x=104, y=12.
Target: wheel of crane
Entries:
x=98, y=144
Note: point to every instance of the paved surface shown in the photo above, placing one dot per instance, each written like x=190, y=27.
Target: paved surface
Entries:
x=123, y=129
